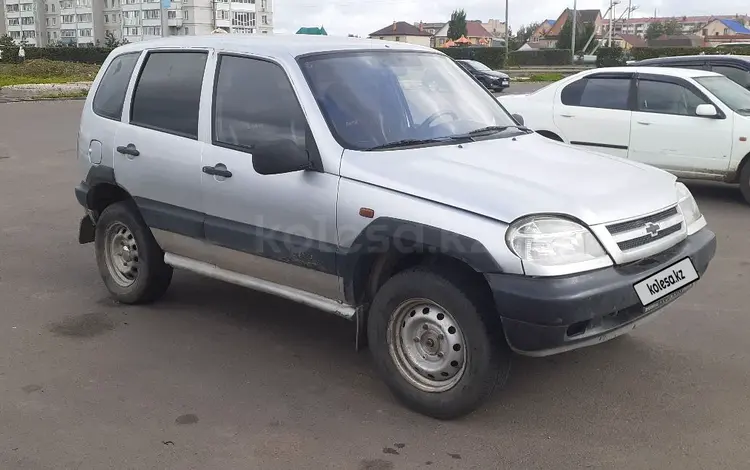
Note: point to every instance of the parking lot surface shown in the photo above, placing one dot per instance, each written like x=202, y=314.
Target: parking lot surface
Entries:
x=219, y=377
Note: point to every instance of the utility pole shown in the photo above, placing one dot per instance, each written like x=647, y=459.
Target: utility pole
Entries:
x=573, y=33
x=507, y=32
x=165, y=17
x=611, y=21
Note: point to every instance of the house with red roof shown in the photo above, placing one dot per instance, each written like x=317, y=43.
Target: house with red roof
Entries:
x=401, y=31
x=475, y=33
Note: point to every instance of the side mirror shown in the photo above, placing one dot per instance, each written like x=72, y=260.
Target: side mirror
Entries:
x=706, y=110
x=518, y=118
x=280, y=156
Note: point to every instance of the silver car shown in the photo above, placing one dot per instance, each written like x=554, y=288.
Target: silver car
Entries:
x=379, y=182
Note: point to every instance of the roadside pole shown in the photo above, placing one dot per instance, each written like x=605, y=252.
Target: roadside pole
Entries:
x=507, y=32
x=573, y=33
x=164, y=17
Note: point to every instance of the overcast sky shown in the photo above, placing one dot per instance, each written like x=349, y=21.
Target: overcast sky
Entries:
x=361, y=17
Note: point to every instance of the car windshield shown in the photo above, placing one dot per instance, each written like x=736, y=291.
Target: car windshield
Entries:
x=478, y=66
x=381, y=99
x=730, y=93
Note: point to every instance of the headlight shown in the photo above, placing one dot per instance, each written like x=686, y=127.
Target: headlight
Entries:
x=548, y=241
x=688, y=206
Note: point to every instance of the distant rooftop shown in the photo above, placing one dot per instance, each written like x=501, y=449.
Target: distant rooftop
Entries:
x=313, y=30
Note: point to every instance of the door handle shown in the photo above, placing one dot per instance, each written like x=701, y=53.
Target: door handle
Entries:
x=128, y=150
x=566, y=115
x=644, y=123
x=217, y=171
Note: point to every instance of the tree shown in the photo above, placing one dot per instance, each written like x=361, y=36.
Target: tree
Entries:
x=457, y=24
x=110, y=41
x=583, y=33
x=522, y=36
x=658, y=29
x=672, y=28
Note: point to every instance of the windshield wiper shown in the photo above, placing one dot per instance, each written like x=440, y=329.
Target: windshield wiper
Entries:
x=496, y=129
x=410, y=142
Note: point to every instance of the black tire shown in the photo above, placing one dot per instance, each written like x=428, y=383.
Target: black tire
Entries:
x=488, y=356
x=745, y=181
x=152, y=277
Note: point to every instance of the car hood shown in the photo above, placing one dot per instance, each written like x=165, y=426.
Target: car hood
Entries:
x=508, y=178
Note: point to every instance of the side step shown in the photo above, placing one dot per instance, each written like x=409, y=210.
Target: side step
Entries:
x=296, y=295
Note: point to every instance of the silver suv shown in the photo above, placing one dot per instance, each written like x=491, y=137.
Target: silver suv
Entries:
x=377, y=181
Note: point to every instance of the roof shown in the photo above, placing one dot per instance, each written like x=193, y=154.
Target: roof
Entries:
x=313, y=30
x=582, y=16
x=550, y=22
x=292, y=45
x=736, y=26
x=672, y=72
x=587, y=16
x=474, y=29
x=633, y=40
x=400, y=28
x=678, y=40
x=694, y=57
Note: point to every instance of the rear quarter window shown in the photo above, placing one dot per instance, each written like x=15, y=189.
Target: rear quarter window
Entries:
x=110, y=94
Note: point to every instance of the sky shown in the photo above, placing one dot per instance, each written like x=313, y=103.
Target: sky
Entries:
x=362, y=17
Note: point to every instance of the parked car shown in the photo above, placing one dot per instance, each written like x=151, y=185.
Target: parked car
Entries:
x=735, y=67
x=341, y=179
x=693, y=123
x=492, y=79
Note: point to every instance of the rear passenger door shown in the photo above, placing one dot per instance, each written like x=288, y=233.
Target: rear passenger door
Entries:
x=594, y=112
x=157, y=148
x=281, y=227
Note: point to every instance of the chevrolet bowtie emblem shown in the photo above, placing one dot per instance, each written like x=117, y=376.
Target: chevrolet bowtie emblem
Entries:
x=652, y=229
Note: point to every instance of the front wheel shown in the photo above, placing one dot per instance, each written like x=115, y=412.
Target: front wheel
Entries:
x=431, y=345
x=745, y=182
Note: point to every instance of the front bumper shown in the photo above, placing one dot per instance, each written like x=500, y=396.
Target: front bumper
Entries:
x=545, y=316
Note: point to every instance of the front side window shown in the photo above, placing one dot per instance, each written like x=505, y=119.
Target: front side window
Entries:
x=372, y=99
x=742, y=77
x=167, y=95
x=111, y=92
x=667, y=98
x=729, y=92
x=254, y=103
x=593, y=92
x=478, y=66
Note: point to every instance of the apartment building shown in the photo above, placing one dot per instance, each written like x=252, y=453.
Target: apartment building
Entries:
x=89, y=22
x=688, y=24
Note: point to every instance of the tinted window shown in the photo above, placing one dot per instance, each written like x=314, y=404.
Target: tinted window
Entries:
x=168, y=92
x=111, y=92
x=254, y=102
x=735, y=74
x=688, y=65
x=667, y=98
x=605, y=93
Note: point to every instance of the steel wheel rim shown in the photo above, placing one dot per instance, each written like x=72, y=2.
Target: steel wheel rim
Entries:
x=121, y=254
x=427, y=345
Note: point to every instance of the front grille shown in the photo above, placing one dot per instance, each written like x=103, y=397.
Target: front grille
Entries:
x=646, y=239
x=634, y=234
x=621, y=227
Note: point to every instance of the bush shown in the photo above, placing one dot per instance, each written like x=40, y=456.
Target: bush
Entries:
x=642, y=53
x=540, y=57
x=492, y=57
x=610, y=57
x=85, y=55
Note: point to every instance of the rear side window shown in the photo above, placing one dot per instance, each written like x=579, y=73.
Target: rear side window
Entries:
x=111, y=92
x=733, y=73
x=167, y=95
x=255, y=103
x=603, y=93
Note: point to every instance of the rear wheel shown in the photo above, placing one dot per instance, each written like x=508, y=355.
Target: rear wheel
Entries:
x=432, y=346
x=745, y=182
x=130, y=261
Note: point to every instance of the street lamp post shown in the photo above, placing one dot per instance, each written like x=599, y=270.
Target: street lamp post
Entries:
x=165, y=17
x=507, y=32
x=573, y=33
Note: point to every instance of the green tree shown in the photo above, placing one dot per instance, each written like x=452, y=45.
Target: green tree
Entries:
x=457, y=24
x=672, y=28
x=110, y=41
x=654, y=31
x=522, y=36
x=583, y=33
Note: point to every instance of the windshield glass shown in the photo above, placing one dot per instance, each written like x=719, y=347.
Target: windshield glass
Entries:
x=371, y=99
x=478, y=66
x=730, y=93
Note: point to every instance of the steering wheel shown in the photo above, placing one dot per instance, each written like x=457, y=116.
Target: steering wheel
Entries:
x=434, y=116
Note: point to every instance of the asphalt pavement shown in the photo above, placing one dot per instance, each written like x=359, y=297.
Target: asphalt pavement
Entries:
x=218, y=377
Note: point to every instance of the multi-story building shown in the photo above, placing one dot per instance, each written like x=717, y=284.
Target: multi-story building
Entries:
x=688, y=24
x=90, y=22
